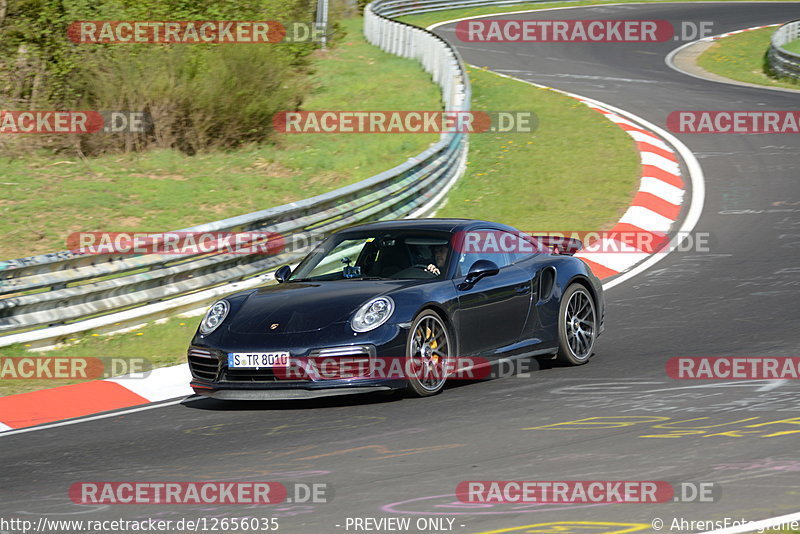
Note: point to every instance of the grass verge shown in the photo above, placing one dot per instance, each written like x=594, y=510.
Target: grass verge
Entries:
x=43, y=198
x=741, y=57
x=576, y=172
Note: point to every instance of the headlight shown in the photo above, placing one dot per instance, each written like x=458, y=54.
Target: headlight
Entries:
x=214, y=316
x=372, y=314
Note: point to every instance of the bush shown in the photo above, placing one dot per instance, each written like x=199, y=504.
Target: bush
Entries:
x=198, y=96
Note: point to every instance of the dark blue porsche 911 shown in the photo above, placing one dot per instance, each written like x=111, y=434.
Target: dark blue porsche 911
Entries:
x=399, y=305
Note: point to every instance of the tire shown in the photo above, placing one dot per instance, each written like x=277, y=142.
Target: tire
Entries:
x=429, y=348
x=577, y=326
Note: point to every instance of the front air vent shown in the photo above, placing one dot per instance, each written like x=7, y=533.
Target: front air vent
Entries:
x=203, y=363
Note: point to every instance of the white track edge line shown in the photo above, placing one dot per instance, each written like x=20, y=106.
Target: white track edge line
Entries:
x=83, y=419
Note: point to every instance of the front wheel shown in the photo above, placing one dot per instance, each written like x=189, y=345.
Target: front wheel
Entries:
x=577, y=326
x=428, y=352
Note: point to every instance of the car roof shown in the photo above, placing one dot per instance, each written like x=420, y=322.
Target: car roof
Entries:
x=437, y=225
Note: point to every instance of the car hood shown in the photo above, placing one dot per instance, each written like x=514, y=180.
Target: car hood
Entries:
x=306, y=306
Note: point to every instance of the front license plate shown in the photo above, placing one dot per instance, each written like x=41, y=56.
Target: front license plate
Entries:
x=255, y=360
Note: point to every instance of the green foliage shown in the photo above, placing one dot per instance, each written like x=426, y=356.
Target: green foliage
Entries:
x=199, y=96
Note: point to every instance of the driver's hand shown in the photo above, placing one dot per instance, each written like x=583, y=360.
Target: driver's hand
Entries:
x=432, y=269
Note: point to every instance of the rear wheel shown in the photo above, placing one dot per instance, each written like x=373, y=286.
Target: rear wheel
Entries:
x=577, y=326
x=428, y=352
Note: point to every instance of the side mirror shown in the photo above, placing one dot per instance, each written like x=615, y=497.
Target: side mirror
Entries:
x=480, y=269
x=283, y=274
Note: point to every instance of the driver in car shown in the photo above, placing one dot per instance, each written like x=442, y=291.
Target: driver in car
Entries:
x=439, y=259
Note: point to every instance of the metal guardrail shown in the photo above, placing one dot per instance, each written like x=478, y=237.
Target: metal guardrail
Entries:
x=781, y=61
x=48, y=298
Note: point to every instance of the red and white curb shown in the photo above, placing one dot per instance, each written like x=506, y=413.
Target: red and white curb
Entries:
x=87, y=398
x=653, y=211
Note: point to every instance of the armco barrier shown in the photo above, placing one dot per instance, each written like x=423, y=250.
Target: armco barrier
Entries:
x=781, y=61
x=48, y=298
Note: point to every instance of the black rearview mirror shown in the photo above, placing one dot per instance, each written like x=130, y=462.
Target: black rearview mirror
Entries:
x=283, y=274
x=480, y=269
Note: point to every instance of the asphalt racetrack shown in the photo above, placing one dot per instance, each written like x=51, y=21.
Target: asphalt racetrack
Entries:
x=386, y=457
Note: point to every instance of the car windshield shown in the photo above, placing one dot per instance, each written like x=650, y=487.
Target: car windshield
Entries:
x=391, y=256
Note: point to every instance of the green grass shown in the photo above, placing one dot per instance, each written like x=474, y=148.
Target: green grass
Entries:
x=426, y=19
x=576, y=172
x=793, y=47
x=43, y=198
x=741, y=57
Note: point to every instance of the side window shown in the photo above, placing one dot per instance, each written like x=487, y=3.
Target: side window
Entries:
x=484, y=244
x=524, y=248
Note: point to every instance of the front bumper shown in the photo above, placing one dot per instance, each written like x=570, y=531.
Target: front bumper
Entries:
x=307, y=377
